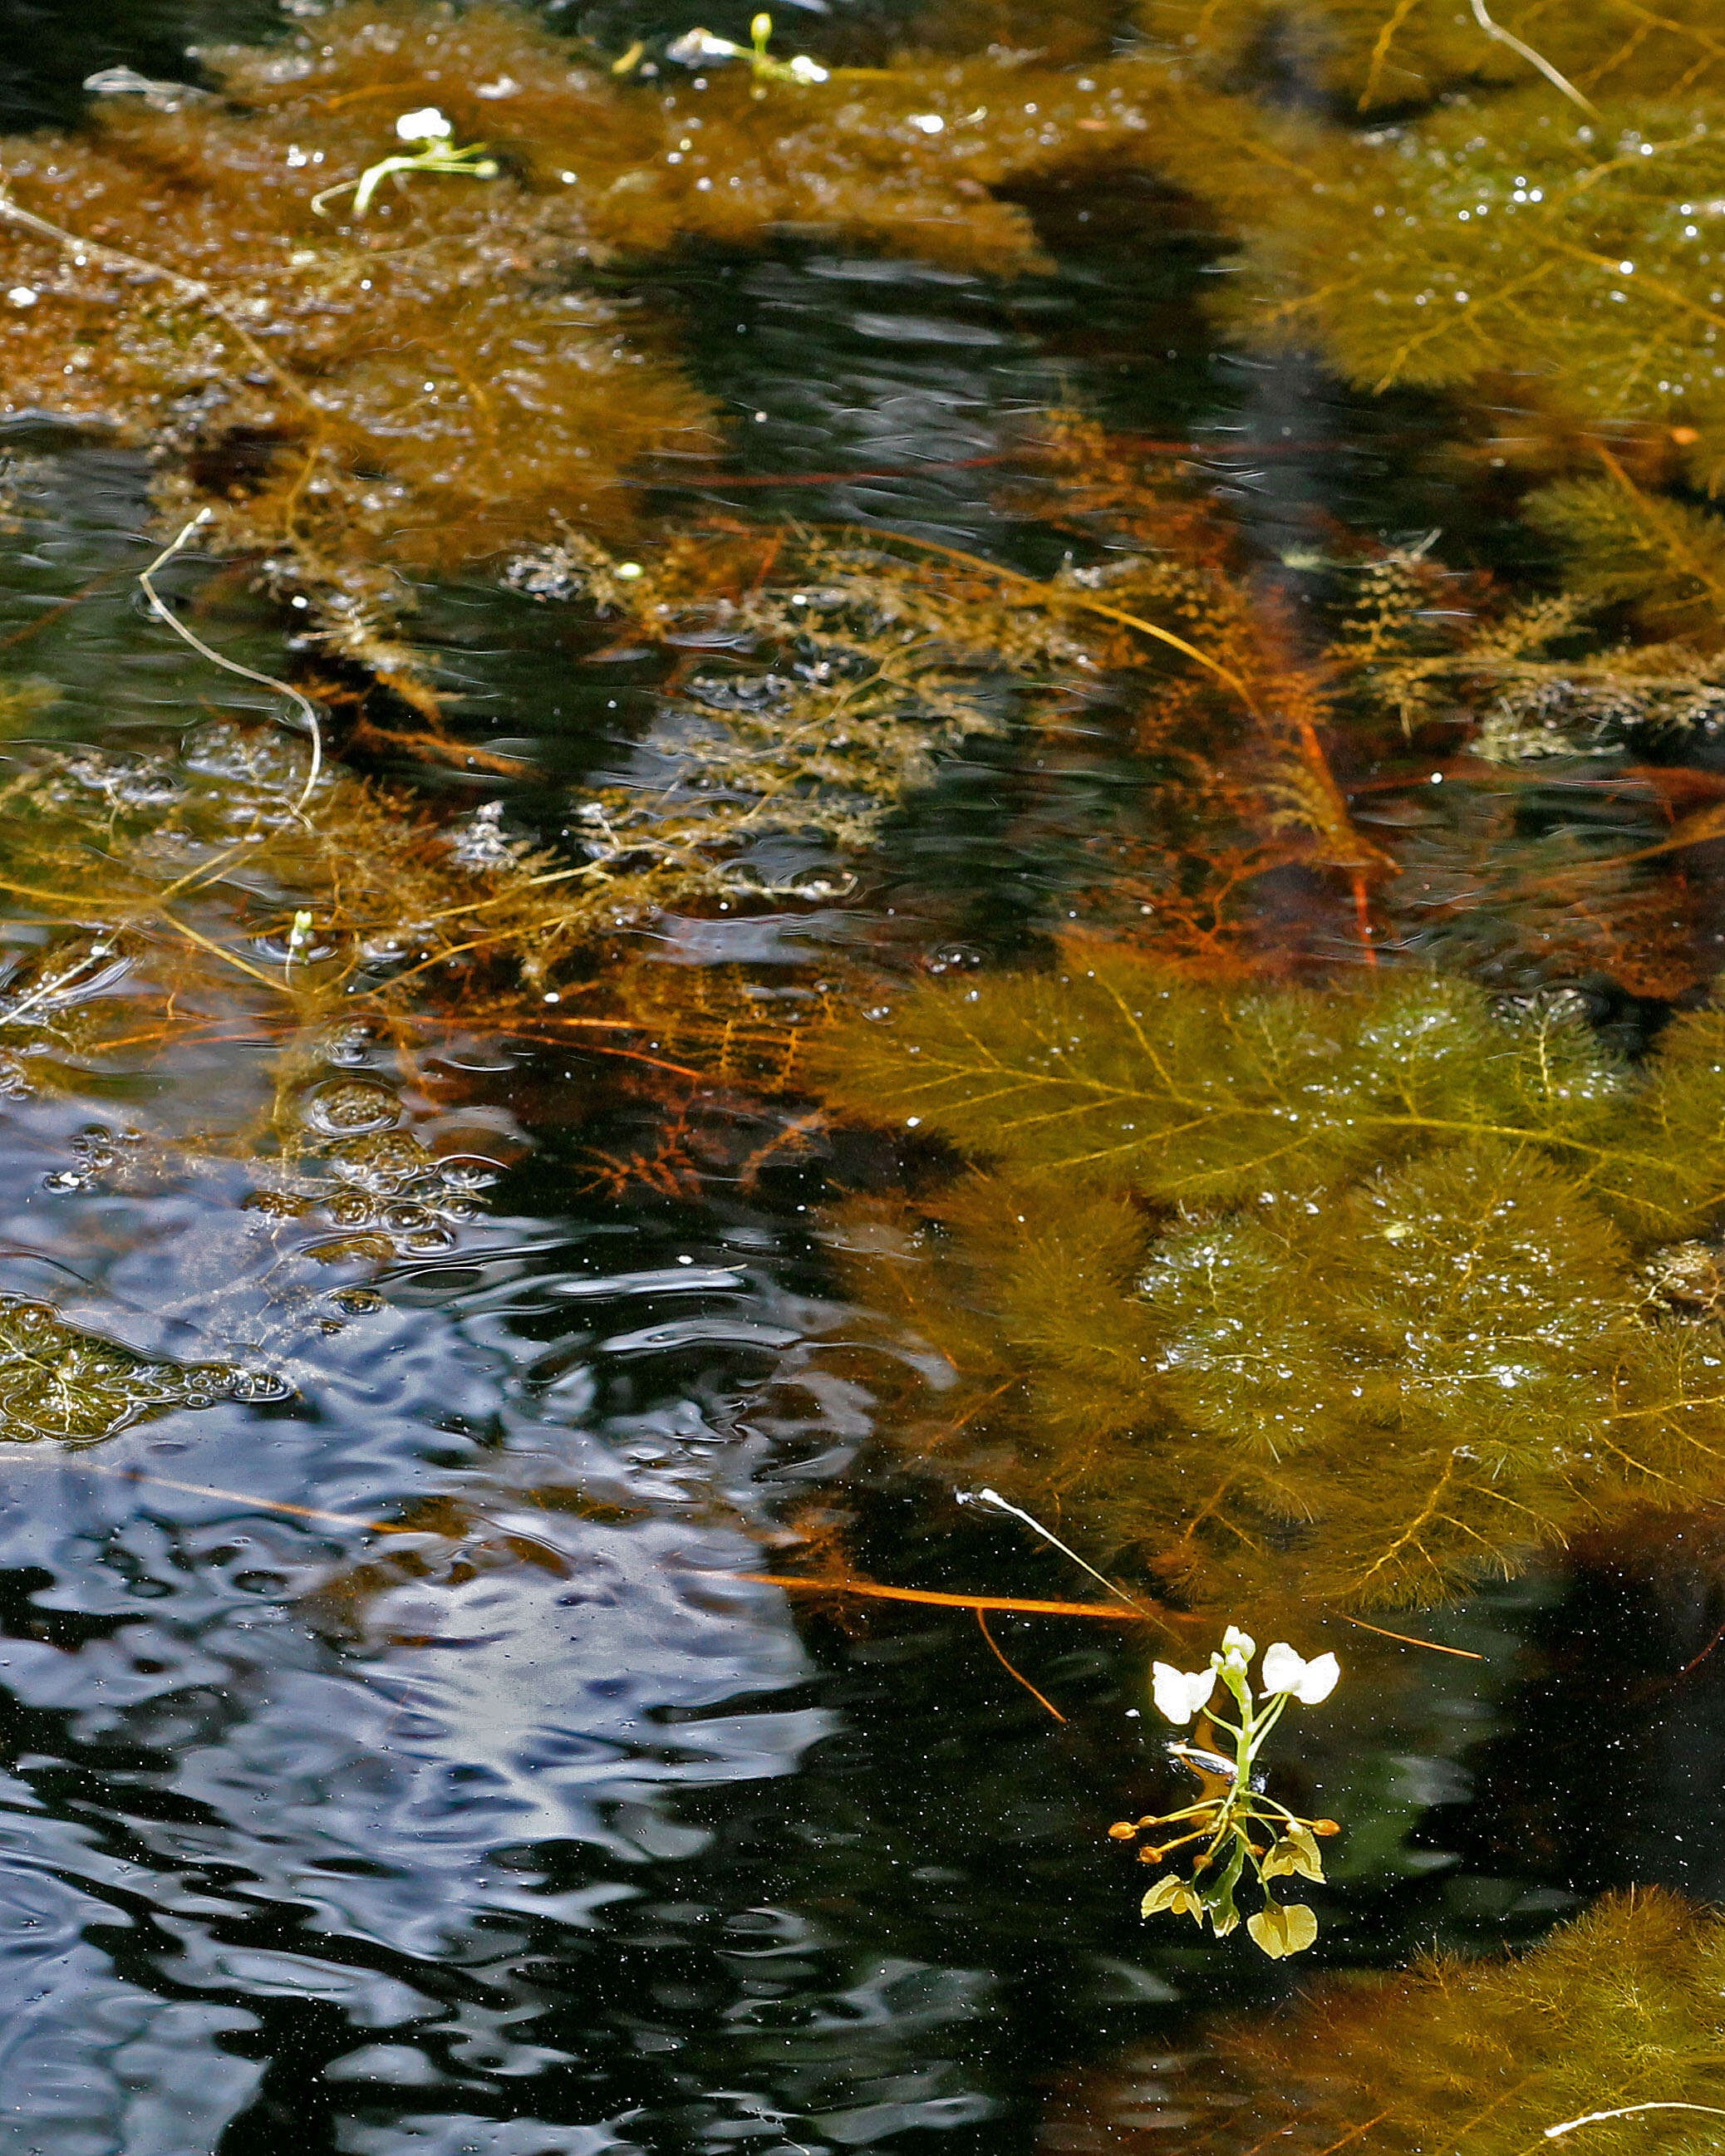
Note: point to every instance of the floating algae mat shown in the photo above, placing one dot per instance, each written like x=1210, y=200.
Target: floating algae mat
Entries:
x=862, y=1077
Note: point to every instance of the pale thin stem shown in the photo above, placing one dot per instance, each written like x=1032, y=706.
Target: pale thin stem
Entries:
x=992, y=1497
x=1534, y=59
x=164, y=612
x=1627, y=2111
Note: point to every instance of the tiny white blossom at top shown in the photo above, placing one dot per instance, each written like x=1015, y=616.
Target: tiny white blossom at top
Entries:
x=426, y=124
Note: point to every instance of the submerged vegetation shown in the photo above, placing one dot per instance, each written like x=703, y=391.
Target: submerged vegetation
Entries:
x=1292, y=1226
x=1361, y=1295
x=435, y=382
x=1609, y=2028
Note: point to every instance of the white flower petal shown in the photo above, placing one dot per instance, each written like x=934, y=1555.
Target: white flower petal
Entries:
x=425, y=125
x=1179, y=1693
x=1284, y=1671
x=1283, y=1668
x=1320, y=1680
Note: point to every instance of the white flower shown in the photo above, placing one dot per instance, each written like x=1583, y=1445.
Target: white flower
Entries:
x=808, y=70
x=928, y=123
x=427, y=125
x=1238, y=1649
x=697, y=45
x=1284, y=1671
x=1179, y=1693
x=23, y=295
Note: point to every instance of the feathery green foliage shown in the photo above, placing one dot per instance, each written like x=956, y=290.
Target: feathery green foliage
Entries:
x=1618, y=2009
x=1345, y=1291
x=1666, y=558
x=1370, y=55
x=1476, y=245
x=1111, y=1072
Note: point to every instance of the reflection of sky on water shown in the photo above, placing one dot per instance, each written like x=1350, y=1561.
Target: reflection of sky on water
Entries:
x=357, y=1775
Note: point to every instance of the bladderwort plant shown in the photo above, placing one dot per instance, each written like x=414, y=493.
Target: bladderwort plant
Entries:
x=1241, y=1830
x=697, y=46
x=428, y=128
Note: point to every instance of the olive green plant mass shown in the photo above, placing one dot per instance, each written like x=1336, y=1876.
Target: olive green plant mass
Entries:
x=1362, y=1295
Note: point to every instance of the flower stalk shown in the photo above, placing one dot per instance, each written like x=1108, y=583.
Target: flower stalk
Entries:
x=429, y=129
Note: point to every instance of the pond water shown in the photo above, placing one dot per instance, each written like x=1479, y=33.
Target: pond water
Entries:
x=397, y=1759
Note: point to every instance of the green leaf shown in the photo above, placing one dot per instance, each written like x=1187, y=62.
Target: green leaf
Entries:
x=1217, y=1897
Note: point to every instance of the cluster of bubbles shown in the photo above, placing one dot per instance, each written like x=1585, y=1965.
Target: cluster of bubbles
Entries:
x=98, y=1155
x=386, y=1194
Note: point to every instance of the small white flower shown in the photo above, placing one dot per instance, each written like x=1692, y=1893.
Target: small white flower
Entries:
x=1179, y=1693
x=23, y=295
x=427, y=125
x=808, y=70
x=697, y=45
x=930, y=123
x=1284, y=1671
x=1237, y=1651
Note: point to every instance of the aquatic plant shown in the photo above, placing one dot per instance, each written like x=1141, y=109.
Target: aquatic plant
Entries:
x=1602, y=2037
x=1375, y=55
x=62, y=1381
x=1273, y=1288
x=1254, y=755
x=1442, y=254
x=432, y=381
x=1234, y=1808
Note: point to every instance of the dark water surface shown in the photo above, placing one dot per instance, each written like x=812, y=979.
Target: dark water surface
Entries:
x=533, y=1828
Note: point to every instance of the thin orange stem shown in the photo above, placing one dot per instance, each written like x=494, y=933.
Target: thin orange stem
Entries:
x=1407, y=1640
x=1017, y=1676
x=794, y=1585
